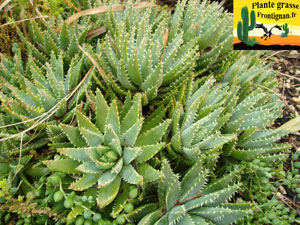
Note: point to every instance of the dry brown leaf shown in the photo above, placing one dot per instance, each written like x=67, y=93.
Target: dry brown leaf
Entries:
x=293, y=125
x=103, y=9
x=4, y=4
x=22, y=16
x=20, y=21
x=38, y=12
x=95, y=32
x=166, y=36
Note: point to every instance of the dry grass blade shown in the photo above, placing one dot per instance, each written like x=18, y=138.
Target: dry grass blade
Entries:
x=38, y=12
x=293, y=125
x=95, y=32
x=103, y=9
x=275, y=53
x=22, y=16
x=292, y=77
x=20, y=156
x=4, y=4
x=20, y=21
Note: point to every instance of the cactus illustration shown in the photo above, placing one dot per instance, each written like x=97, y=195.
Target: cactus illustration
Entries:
x=243, y=27
x=286, y=30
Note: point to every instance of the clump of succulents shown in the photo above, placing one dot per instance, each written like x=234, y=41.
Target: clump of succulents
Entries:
x=157, y=121
x=41, y=91
x=139, y=53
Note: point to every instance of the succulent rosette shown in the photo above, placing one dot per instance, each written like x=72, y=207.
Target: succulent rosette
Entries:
x=112, y=150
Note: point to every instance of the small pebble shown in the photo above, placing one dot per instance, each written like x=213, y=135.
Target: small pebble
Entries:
x=294, y=52
x=296, y=100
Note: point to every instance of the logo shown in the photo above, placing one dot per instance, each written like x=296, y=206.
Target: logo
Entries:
x=264, y=24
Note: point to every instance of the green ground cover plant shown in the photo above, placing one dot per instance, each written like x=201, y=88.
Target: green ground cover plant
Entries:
x=155, y=121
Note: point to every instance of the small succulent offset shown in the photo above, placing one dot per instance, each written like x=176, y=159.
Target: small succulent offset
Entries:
x=114, y=149
x=45, y=88
x=192, y=200
x=44, y=42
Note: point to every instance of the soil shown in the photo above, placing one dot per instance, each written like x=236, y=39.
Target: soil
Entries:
x=287, y=63
x=8, y=35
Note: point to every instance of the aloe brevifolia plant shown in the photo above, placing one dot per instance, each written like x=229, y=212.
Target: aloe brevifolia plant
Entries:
x=48, y=54
x=210, y=26
x=197, y=119
x=192, y=200
x=140, y=55
x=251, y=118
x=46, y=88
x=253, y=110
x=114, y=150
x=139, y=45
